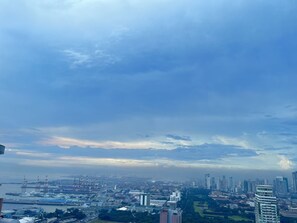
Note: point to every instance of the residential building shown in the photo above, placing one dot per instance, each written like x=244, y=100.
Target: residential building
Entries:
x=144, y=199
x=175, y=196
x=266, y=210
x=168, y=215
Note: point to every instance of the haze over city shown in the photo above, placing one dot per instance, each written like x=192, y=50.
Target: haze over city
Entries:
x=127, y=86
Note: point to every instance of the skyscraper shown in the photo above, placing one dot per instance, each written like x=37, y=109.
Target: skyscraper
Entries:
x=207, y=181
x=223, y=184
x=164, y=216
x=213, y=184
x=2, y=149
x=281, y=186
x=294, y=176
x=249, y=186
x=231, y=184
x=265, y=205
x=144, y=199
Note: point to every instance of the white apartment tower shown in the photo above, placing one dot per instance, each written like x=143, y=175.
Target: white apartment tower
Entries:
x=144, y=199
x=266, y=205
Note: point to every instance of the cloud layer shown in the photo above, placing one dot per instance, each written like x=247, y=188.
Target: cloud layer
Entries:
x=189, y=82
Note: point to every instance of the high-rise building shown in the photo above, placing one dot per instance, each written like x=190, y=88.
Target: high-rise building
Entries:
x=281, y=186
x=249, y=186
x=168, y=215
x=223, y=184
x=266, y=210
x=2, y=149
x=294, y=175
x=176, y=216
x=175, y=196
x=164, y=216
x=207, y=182
x=213, y=184
x=144, y=199
x=231, y=184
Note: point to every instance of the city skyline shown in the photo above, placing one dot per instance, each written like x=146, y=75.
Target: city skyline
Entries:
x=88, y=85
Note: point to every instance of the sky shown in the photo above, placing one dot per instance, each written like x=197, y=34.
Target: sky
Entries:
x=104, y=84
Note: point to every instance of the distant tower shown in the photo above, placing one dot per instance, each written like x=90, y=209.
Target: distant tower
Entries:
x=294, y=176
x=76, y=183
x=144, y=199
x=45, y=189
x=213, y=184
x=249, y=186
x=24, y=186
x=207, y=182
x=281, y=186
x=2, y=149
x=265, y=205
x=38, y=185
x=231, y=184
x=223, y=184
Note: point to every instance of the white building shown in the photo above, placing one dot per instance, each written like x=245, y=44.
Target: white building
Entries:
x=175, y=196
x=266, y=210
x=144, y=199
